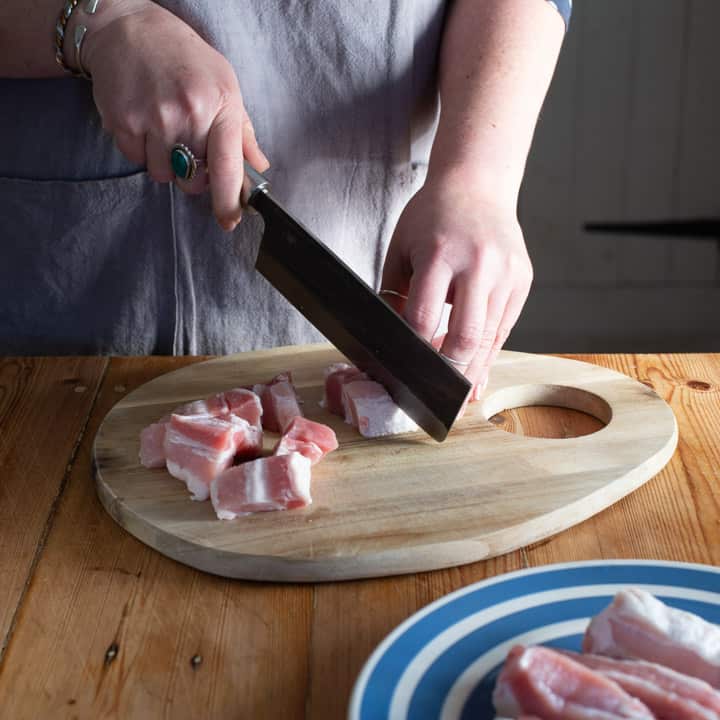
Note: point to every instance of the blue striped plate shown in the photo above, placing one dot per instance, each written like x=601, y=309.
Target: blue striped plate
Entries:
x=441, y=663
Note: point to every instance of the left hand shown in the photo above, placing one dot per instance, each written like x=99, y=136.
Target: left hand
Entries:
x=458, y=243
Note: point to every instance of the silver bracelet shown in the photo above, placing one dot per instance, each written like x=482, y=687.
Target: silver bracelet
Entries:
x=90, y=7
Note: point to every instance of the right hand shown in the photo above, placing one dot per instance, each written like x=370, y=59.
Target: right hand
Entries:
x=157, y=82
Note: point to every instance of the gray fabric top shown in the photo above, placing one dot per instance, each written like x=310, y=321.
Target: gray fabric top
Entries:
x=98, y=258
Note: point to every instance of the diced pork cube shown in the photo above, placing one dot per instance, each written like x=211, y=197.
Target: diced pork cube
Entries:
x=337, y=375
x=311, y=439
x=280, y=403
x=638, y=626
x=197, y=449
x=213, y=407
x=278, y=482
x=245, y=404
x=369, y=407
x=539, y=681
x=307, y=448
x=668, y=693
x=152, y=445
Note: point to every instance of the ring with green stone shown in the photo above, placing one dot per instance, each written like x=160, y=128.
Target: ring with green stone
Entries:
x=183, y=161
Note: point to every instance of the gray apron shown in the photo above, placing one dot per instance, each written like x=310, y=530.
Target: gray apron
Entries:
x=98, y=258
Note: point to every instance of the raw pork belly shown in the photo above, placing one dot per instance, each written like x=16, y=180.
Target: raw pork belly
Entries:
x=152, y=445
x=337, y=375
x=199, y=448
x=245, y=404
x=669, y=694
x=278, y=482
x=369, y=407
x=311, y=439
x=638, y=626
x=213, y=406
x=539, y=681
x=239, y=402
x=280, y=403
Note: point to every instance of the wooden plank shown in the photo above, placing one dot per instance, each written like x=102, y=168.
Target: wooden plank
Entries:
x=351, y=619
x=44, y=405
x=360, y=490
x=96, y=587
x=675, y=515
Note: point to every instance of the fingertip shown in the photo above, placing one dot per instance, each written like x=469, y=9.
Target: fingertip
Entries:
x=228, y=225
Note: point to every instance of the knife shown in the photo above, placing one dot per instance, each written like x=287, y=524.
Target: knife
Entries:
x=349, y=313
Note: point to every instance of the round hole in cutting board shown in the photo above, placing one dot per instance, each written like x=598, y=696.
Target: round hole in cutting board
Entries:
x=548, y=411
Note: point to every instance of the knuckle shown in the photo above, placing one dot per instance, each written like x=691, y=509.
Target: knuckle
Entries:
x=421, y=318
x=193, y=104
x=466, y=341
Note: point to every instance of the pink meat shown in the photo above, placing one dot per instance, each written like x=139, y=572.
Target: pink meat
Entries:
x=638, y=626
x=337, y=375
x=245, y=404
x=307, y=448
x=369, y=407
x=248, y=439
x=280, y=403
x=213, y=406
x=669, y=694
x=278, y=482
x=309, y=438
x=239, y=402
x=539, y=681
x=197, y=449
x=152, y=445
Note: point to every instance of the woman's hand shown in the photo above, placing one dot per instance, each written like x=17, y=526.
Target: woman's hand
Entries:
x=459, y=243
x=156, y=82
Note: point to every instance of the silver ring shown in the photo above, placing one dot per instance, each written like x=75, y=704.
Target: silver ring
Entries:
x=459, y=363
x=183, y=161
x=392, y=292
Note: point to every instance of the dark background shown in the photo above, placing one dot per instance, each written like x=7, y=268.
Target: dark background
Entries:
x=630, y=130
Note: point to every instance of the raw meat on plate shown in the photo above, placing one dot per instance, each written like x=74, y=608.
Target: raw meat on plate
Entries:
x=669, y=694
x=197, y=449
x=539, y=681
x=280, y=403
x=278, y=482
x=638, y=626
x=309, y=438
x=369, y=407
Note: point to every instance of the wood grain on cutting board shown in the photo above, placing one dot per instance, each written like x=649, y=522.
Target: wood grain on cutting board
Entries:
x=399, y=504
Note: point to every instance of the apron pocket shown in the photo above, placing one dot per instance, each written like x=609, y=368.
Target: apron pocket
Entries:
x=88, y=267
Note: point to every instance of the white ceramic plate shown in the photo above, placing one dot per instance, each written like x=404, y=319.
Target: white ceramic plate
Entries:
x=441, y=663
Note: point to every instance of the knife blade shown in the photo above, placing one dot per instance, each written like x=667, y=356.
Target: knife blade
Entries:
x=344, y=308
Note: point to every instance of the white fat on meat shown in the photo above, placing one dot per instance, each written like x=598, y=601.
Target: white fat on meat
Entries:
x=277, y=482
x=197, y=449
x=369, y=407
x=638, y=626
x=667, y=693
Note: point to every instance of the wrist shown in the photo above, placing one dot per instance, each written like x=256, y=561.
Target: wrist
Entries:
x=107, y=12
x=483, y=181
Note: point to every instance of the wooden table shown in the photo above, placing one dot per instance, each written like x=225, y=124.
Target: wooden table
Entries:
x=95, y=624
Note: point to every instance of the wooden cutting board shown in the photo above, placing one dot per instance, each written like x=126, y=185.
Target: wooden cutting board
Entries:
x=400, y=504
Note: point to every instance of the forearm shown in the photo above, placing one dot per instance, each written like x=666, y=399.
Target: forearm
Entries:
x=27, y=34
x=497, y=59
